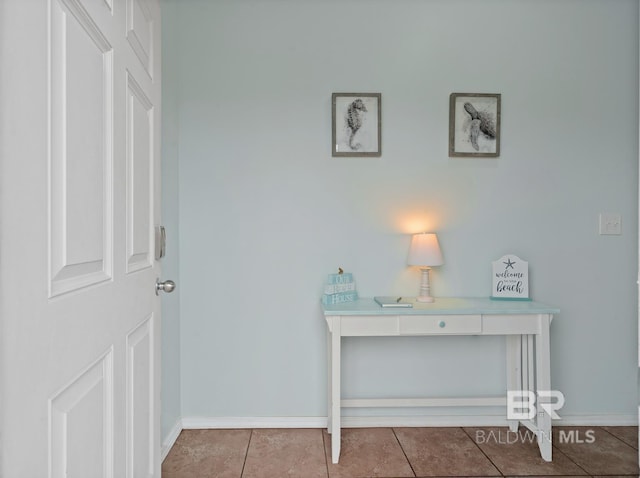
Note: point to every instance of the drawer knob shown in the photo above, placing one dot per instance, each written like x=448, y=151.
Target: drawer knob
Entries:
x=441, y=324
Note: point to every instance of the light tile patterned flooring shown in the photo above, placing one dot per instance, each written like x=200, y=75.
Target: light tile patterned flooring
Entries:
x=402, y=452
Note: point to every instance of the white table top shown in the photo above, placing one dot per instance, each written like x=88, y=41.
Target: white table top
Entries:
x=442, y=306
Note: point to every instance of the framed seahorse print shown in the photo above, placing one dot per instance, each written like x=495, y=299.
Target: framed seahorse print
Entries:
x=356, y=124
x=474, y=124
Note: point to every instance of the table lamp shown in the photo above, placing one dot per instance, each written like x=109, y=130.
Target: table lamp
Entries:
x=424, y=252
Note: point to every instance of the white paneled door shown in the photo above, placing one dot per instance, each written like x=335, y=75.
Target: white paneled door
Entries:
x=79, y=202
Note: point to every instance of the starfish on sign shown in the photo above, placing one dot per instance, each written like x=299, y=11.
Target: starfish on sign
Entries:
x=509, y=263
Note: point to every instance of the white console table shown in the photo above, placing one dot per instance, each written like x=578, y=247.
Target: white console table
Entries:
x=524, y=323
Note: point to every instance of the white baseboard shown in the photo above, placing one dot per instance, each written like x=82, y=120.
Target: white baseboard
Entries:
x=395, y=421
x=194, y=423
x=170, y=439
x=253, y=422
x=614, y=420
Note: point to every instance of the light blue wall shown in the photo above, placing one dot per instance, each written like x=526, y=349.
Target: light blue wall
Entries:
x=266, y=212
x=171, y=387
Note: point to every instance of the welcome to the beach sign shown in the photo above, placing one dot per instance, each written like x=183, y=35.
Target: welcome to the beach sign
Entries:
x=510, y=278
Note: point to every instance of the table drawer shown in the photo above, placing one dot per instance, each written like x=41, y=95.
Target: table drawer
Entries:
x=440, y=324
x=369, y=325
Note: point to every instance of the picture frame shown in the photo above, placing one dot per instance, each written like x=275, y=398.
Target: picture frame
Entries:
x=474, y=125
x=356, y=124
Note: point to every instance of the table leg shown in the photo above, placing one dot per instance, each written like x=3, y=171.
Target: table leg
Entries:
x=335, y=390
x=543, y=384
x=514, y=370
x=329, y=370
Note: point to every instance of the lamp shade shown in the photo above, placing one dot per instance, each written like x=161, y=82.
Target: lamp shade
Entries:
x=425, y=250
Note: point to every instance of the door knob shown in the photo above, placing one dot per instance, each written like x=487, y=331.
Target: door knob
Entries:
x=165, y=286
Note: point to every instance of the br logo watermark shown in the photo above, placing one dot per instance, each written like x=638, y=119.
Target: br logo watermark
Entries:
x=524, y=405
x=521, y=404
x=508, y=437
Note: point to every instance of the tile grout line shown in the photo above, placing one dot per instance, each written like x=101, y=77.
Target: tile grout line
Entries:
x=618, y=438
x=324, y=451
x=482, y=451
x=246, y=453
x=555, y=449
x=393, y=430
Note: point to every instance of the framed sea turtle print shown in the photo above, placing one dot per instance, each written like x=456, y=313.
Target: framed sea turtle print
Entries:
x=474, y=124
x=356, y=124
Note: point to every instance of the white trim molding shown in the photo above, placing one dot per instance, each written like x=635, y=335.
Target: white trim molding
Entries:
x=253, y=422
x=170, y=439
x=608, y=420
x=200, y=423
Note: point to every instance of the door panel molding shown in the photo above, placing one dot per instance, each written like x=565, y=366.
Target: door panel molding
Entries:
x=87, y=399
x=140, y=32
x=140, y=171
x=80, y=150
x=140, y=400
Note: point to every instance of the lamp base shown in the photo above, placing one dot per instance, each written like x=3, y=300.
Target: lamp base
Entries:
x=425, y=288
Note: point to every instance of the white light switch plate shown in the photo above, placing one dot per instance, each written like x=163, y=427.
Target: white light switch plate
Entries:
x=610, y=223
